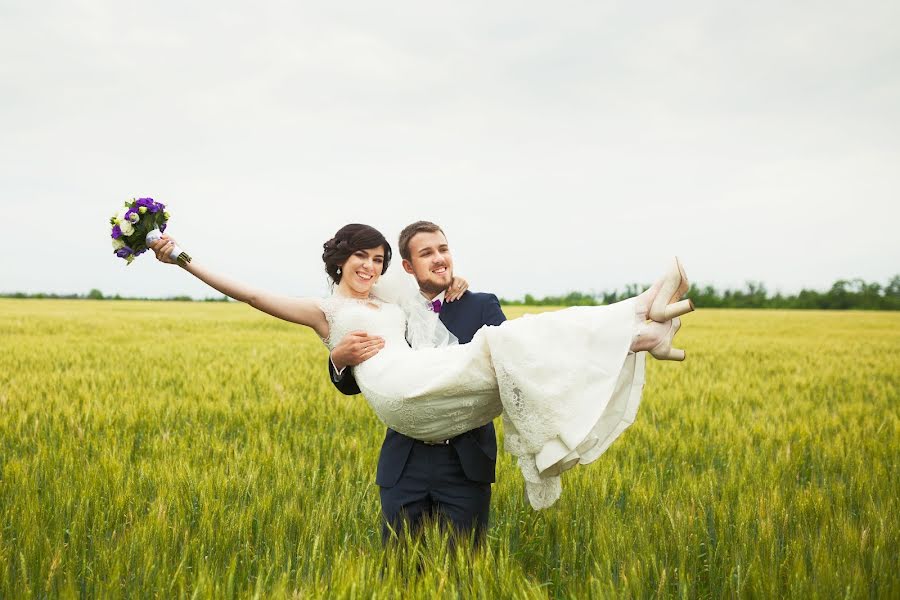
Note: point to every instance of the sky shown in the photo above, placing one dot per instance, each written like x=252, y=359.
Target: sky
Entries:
x=561, y=146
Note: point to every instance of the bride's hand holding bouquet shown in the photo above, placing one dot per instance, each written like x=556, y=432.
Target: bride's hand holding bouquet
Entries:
x=164, y=248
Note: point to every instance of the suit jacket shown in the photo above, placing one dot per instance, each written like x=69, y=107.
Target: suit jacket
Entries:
x=477, y=448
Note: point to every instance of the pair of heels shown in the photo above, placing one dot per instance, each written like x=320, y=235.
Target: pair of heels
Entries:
x=667, y=306
x=664, y=350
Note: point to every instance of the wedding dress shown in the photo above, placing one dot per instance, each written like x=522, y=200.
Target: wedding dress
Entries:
x=565, y=382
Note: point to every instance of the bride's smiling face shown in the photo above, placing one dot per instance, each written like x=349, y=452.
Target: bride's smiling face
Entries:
x=361, y=270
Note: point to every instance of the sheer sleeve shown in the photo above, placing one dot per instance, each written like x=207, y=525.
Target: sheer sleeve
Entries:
x=424, y=329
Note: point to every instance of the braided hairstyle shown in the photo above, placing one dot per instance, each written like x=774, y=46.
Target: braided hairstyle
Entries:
x=348, y=240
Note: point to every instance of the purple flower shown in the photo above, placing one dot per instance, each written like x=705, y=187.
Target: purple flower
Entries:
x=150, y=204
x=162, y=228
x=116, y=232
x=132, y=215
x=124, y=252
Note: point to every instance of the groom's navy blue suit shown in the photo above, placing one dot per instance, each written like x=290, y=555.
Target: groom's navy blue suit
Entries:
x=451, y=481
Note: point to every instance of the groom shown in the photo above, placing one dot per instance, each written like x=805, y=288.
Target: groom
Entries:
x=449, y=481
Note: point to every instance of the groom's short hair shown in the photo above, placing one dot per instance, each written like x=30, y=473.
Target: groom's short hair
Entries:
x=410, y=230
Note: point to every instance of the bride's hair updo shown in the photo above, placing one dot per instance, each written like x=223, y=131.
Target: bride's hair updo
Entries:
x=348, y=240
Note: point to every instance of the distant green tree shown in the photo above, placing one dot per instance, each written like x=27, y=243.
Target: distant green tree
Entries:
x=95, y=294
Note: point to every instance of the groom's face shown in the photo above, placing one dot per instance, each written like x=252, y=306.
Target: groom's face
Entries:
x=430, y=261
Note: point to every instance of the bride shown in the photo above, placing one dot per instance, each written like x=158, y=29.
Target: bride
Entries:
x=567, y=383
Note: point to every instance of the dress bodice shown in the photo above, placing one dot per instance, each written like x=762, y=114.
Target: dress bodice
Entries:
x=372, y=316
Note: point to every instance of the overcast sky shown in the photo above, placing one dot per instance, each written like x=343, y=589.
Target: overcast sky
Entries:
x=563, y=146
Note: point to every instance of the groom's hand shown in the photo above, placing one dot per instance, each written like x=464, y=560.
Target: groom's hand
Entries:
x=356, y=347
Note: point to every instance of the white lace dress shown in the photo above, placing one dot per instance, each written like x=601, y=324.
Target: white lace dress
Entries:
x=565, y=383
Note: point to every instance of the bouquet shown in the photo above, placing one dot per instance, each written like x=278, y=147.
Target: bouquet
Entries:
x=142, y=224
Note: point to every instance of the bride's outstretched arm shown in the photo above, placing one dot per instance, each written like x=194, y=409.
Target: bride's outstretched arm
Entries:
x=304, y=311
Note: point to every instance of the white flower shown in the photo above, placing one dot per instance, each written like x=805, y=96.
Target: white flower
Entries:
x=118, y=243
x=126, y=227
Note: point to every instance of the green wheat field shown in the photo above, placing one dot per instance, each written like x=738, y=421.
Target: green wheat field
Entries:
x=198, y=450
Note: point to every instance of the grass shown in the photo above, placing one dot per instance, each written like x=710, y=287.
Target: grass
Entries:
x=199, y=450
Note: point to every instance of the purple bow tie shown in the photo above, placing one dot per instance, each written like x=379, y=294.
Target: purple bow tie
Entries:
x=436, y=306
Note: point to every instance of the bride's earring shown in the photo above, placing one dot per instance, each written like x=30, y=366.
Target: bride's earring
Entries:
x=339, y=271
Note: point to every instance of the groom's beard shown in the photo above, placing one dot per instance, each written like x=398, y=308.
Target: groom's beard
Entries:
x=431, y=287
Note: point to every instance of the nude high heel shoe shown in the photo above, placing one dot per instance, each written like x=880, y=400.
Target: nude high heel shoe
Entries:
x=664, y=350
x=665, y=306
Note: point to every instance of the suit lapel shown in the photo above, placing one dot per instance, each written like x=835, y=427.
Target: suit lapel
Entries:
x=450, y=313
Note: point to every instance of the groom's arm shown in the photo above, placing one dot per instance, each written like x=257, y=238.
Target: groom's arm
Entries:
x=343, y=380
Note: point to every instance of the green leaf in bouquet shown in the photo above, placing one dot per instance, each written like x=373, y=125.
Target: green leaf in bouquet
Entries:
x=131, y=240
x=140, y=232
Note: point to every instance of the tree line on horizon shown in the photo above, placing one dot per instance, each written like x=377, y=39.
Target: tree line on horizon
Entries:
x=96, y=294
x=844, y=294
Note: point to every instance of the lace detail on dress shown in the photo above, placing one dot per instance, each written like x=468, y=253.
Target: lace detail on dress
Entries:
x=524, y=395
x=542, y=491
